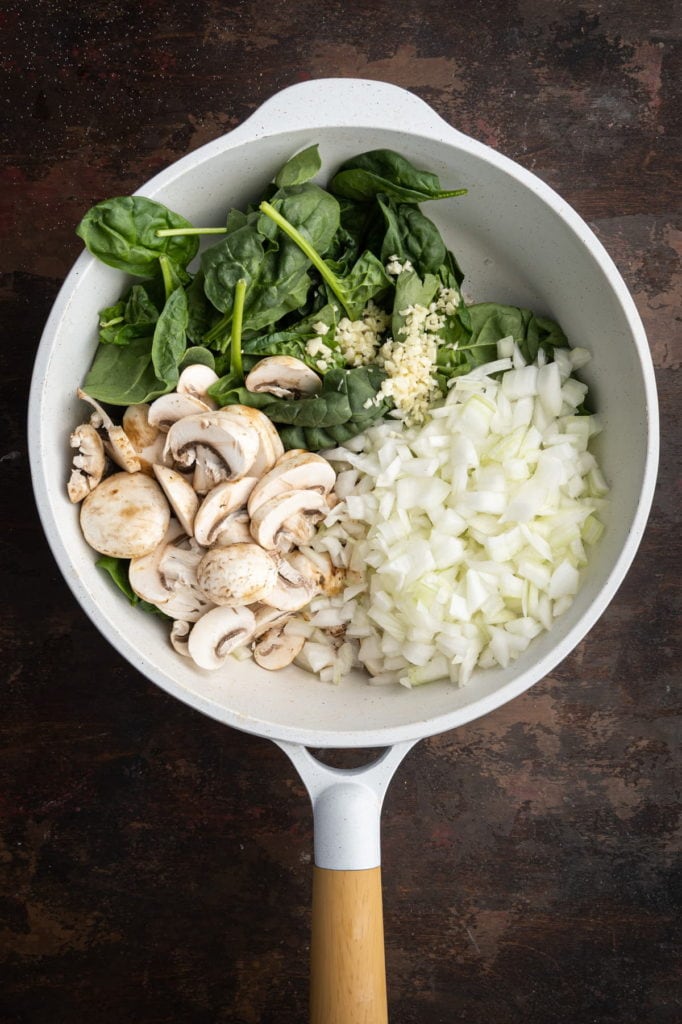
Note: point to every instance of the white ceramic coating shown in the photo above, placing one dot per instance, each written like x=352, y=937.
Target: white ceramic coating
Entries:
x=518, y=242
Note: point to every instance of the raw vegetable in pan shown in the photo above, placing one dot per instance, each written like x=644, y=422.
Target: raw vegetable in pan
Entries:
x=323, y=267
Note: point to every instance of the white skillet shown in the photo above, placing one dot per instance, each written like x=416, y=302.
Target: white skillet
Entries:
x=518, y=242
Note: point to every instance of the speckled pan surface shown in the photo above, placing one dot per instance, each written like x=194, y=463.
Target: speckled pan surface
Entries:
x=517, y=241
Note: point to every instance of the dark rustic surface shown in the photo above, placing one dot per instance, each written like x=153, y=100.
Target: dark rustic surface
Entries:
x=155, y=865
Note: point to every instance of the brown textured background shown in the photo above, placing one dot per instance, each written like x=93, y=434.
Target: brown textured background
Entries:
x=155, y=865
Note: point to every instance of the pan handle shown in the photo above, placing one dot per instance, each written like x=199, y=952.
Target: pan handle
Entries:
x=348, y=974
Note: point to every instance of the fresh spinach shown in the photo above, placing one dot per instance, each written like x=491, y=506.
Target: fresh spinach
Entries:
x=170, y=338
x=471, y=335
x=123, y=233
x=384, y=172
x=300, y=168
x=124, y=375
x=346, y=405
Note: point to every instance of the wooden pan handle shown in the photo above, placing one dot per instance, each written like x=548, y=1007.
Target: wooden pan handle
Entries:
x=348, y=972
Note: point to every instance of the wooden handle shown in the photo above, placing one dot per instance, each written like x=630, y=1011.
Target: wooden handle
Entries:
x=348, y=971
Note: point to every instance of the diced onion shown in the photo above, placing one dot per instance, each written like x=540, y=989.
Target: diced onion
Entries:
x=468, y=533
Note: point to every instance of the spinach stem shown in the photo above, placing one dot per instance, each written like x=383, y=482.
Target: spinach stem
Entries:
x=236, y=367
x=313, y=255
x=172, y=232
x=168, y=284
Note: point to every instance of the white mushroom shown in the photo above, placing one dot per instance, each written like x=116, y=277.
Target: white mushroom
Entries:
x=297, y=470
x=237, y=575
x=145, y=437
x=88, y=462
x=270, y=446
x=277, y=649
x=293, y=590
x=168, y=409
x=283, y=376
x=125, y=516
x=266, y=617
x=236, y=530
x=218, y=633
x=195, y=380
x=179, y=636
x=181, y=496
x=269, y=521
x=178, y=568
x=117, y=444
x=224, y=505
x=330, y=579
x=217, y=447
x=144, y=573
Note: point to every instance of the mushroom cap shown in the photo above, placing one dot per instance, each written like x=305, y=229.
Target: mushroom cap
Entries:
x=88, y=462
x=268, y=521
x=168, y=409
x=217, y=633
x=222, y=504
x=180, y=494
x=195, y=380
x=293, y=590
x=219, y=448
x=283, y=376
x=146, y=439
x=237, y=575
x=270, y=447
x=179, y=636
x=299, y=471
x=125, y=516
x=144, y=572
x=276, y=649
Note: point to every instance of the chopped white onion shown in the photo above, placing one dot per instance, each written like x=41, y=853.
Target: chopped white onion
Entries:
x=468, y=532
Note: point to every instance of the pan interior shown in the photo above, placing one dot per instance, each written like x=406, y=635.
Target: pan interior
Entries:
x=516, y=244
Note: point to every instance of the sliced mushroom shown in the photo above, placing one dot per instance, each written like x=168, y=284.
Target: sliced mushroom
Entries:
x=236, y=530
x=146, y=439
x=277, y=649
x=222, y=506
x=125, y=516
x=300, y=470
x=179, y=637
x=293, y=590
x=88, y=462
x=195, y=380
x=181, y=496
x=284, y=377
x=268, y=522
x=270, y=446
x=318, y=566
x=144, y=573
x=168, y=409
x=218, y=633
x=117, y=444
x=219, y=448
x=178, y=568
x=237, y=575
x=266, y=617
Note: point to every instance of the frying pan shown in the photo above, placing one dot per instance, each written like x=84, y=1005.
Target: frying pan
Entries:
x=518, y=242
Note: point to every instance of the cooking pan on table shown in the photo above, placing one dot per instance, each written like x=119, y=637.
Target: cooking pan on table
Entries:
x=518, y=242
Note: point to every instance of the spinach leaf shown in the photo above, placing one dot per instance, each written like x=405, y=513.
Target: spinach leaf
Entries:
x=170, y=337
x=122, y=233
x=300, y=168
x=139, y=307
x=125, y=375
x=197, y=354
x=292, y=341
x=345, y=406
x=410, y=290
x=471, y=336
x=201, y=314
x=366, y=279
x=383, y=171
x=411, y=236
x=310, y=209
